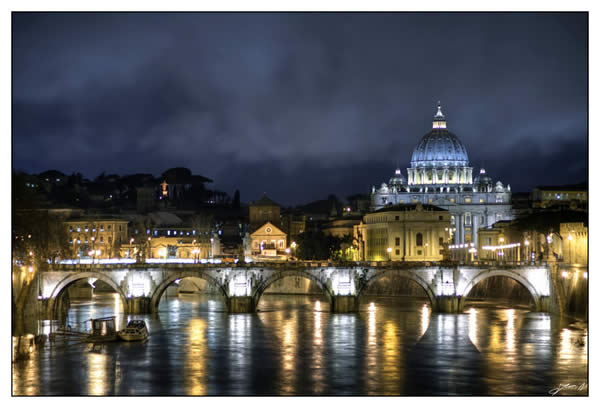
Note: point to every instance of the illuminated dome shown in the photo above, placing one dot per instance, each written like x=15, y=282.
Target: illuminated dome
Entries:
x=439, y=147
x=482, y=178
x=398, y=179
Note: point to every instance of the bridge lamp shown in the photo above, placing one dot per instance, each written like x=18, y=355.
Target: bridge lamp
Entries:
x=526, y=242
x=30, y=269
x=570, y=237
x=585, y=275
x=564, y=274
x=98, y=252
x=501, y=240
x=287, y=250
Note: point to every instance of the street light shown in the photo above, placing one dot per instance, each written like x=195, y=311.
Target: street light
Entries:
x=389, y=250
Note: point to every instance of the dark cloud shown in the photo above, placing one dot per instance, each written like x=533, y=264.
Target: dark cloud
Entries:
x=299, y=105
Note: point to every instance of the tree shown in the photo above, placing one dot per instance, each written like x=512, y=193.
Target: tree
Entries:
x=203, y=224
x=315, y=245
x=142, y=241
x=39, y=237
x=236, y=200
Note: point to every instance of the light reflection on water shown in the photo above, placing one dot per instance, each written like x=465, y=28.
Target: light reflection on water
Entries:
x=295, y=346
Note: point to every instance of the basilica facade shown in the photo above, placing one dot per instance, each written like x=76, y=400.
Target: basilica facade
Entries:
x=440, y=175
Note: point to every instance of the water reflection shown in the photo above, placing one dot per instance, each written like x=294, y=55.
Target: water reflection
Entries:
x=394, y=346
x=195, y=365
x=97, y=380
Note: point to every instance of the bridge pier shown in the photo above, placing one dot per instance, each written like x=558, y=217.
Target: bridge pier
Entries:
x=241, y=304
x=450, y=304
x=344, y=303
x=139, y=305
x=544, y=304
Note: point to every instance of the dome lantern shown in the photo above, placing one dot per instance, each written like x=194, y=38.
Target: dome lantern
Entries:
x=439, y=120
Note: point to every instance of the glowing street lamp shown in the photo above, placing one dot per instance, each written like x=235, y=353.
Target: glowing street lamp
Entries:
x=389, y=250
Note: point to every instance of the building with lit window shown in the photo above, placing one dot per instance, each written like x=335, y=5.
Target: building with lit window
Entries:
x=96, y=237
x=440, y=175
x=268, y=241
x=566, y=195
x=405, y=232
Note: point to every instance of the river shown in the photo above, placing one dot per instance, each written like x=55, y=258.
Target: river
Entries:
x=294, y=346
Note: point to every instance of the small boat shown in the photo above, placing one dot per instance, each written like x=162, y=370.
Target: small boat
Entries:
x=103, y=330
x=136, y=330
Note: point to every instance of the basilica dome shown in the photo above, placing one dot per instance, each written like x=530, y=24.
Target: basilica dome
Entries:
x=439, y=147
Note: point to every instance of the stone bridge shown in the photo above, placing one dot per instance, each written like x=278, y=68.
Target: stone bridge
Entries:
x=141, y=286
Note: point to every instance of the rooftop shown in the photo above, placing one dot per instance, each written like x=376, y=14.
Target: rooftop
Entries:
x=409, y=207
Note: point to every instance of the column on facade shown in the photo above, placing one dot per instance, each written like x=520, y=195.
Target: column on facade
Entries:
x=434, y=177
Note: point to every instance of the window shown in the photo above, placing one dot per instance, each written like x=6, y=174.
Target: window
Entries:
x=430, y=200
x=397, y=241
x=468, y=219
x=281, y=244
x=397, y=218
x=109, y=227
x=482, y=221
x=441, y=241
x=452, y=200
x=70, y=228
x=120, y=228
x=468, y=199
x=168, y=233
x=452, y=220
x=397, y=252
x=110, y=240
x=481, y=200
x=419, y=239
x=419, y=252
x=101, y=239
x=441, y=217
x=101, y=228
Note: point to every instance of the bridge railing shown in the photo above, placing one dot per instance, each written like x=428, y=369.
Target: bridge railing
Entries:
x=190, y=263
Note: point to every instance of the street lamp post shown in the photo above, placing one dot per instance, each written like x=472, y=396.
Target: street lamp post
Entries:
x=389, y=251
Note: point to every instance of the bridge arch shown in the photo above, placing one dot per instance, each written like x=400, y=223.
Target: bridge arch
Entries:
x=67, y=281
x=263, y=285
x=401, y=273
x=160, y=289
x=503, y=273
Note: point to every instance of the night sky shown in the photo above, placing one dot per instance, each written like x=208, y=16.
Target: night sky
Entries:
x=299, y=105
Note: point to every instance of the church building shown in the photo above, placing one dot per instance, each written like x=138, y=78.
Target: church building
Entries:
x=440, y=175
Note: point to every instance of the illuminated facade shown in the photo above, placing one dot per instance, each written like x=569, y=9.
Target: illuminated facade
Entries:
x=440, y=175
x=96, y=238
x=268, y=241
x=407, y=232
x=575, y=242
